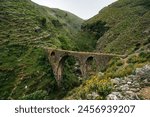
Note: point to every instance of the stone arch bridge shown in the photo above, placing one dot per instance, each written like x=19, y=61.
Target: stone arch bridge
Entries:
x=57, y=57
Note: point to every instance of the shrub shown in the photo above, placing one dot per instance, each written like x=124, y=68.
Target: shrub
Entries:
x=101, y=86
x=141, y=58
x=145, y=55
x=119, y=63
x=56, y=23
x=124, y=71
x=43, y=21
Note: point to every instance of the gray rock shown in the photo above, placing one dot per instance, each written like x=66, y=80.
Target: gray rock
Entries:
x=118, y=89
x=123, y=82
x=129, y=92
x=131, y=76
x=92, y=96
x=112, y=97
x=128, y=88
x=141, y=71
x=135, y=89
x=89, y=96
x=100, y=74
x=119, y=79
x=146, y=81
x=131, y=95
x=146, y=68
x=125, y=87
x=146, y=75
x=147, y=31
x=115, y=81
x=118, y=94
x=129, y=82
x=134, y=82
x=127, y=79
x=136, y=85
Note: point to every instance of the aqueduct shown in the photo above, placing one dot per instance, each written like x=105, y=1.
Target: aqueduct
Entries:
x=57, y=57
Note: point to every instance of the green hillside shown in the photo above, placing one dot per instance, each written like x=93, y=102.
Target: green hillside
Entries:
x=22, y=19
x=25, y=28
x=123, y=27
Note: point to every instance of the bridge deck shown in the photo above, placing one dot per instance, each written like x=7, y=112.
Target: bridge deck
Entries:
x=85, y=53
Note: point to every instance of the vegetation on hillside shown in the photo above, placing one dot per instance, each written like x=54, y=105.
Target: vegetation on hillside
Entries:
x=123, y=27
x=96, y=84
x=99, y=85
x=25, y=28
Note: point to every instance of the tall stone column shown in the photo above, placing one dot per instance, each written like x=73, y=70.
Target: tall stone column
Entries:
x=83, y=70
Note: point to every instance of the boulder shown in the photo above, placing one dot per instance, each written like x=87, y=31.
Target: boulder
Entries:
x=114, y=96
x=145, y=93
x=125, y=87
x=92, y=96
x=115, y=81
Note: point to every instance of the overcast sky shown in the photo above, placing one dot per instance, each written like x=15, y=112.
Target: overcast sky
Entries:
x=82, y=8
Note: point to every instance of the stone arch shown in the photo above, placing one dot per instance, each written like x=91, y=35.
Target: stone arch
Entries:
x=52, y=54
x=90, y=65
x=61, y=64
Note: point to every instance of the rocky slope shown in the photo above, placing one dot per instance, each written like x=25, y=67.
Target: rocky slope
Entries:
x=132, y=87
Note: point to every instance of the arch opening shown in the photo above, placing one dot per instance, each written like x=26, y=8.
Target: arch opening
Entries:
x=53, y=57
x=52, y=54
x=69, y=72
x=90, y=66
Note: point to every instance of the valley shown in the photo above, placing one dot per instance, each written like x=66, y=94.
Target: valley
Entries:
x=26, y=29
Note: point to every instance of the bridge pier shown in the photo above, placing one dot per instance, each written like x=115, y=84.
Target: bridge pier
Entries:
x=58, y=69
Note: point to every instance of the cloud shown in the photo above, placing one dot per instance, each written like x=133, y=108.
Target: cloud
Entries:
x=82, y=8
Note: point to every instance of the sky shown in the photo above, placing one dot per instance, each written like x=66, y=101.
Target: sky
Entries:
x=85, y=9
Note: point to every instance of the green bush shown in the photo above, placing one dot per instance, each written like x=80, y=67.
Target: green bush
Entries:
x=141, y=58
x=70, y=80
x=124, y=71
x=101, y=86
x=43, y=21
x=145, y=55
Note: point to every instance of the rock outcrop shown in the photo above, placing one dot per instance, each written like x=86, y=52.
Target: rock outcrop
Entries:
x=132, y=87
